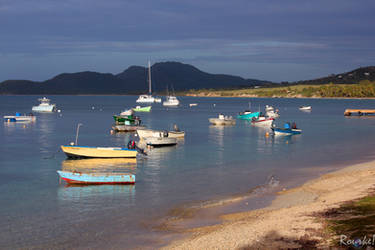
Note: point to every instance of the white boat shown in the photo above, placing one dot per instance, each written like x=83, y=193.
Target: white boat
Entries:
x=159, y=139
x=269, y=108
x=263, y=121
x=148, y=98
x=305, y=108
x=44, y=106
x=272, y=114
x=144, y=133
x=171, y=101
x=19, y=118
x=193, y=104
x=222, y=120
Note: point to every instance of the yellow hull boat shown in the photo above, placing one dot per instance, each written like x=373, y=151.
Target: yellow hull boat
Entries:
x=98, y=152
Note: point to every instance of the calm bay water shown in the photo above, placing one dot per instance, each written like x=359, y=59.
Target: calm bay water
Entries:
x=212, y=162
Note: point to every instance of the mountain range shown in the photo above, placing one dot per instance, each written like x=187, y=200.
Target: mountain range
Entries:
x=133, y=80
x=165, y=75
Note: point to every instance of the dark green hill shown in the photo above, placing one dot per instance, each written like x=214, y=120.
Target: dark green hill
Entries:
x=352, y=77
x=131, y=81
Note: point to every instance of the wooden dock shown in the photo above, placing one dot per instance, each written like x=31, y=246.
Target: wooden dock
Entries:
x=349, y=112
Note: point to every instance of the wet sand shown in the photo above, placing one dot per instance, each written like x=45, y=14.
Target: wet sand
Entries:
x=291, y=218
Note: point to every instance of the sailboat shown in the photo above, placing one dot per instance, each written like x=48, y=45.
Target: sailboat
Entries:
x=148, y=98
x=171, y=100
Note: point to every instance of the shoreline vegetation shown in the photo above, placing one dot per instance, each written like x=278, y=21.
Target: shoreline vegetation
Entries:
x=364, y=89
x=334, y=210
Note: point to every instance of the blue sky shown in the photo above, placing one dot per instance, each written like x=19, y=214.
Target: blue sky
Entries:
x=272, y=40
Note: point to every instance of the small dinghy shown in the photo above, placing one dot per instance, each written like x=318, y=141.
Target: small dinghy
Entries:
x=176, y=133
x=288, y=129
x=142, y=109
x=96, y=178
x=98, y=152
x=19, y=118
x=306, y=108
x=160, y=140
x=222, y=120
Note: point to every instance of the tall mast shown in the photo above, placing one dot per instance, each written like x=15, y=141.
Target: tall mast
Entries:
x=149, y=78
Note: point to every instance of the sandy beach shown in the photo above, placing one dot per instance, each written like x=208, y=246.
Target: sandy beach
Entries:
x=291, y=221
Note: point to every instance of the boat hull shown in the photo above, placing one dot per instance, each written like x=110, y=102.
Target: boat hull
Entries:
x=222, y=122
x=249, y=116
x=98, y=152
x=267, y=122
x=15, y=118
x=126, y=128
x=144, y=133
x=45, y=108
x=142, y=109
x=96, y=179
x=160, y=141
x=282, y=131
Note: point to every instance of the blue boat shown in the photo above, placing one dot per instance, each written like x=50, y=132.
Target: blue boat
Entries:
x=288, y=129
x=96, y=178
x=248, y=115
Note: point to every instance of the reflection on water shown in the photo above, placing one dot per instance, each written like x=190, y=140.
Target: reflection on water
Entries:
x=100, y=165
x=46, y=129
x=91, y=194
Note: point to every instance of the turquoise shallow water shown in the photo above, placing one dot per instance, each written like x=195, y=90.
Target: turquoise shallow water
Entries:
x=211, y=163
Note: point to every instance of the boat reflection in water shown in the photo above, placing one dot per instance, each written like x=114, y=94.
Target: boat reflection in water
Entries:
x=114, y=165
x=85, y=195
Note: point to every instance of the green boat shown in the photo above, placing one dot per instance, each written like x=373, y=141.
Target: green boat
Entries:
x=142, y=109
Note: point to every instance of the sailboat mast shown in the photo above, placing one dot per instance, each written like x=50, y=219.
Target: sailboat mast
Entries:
x=149, y=78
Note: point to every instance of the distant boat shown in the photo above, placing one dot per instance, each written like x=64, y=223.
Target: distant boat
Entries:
x=193, y=104
x=19, y=118
x=288, y=129
x=98, y=152
x=305, y=108
x=44, y=106
x=148, y=98
x=248, y=115
x=171, y=101
x=96, y=178
x=262, y=121
x=222, y=120
x=272, y=114
x=142, y=109
x=269, y=108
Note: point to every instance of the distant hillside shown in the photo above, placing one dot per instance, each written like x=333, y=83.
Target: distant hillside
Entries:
x=131, y=81
x=352, y=77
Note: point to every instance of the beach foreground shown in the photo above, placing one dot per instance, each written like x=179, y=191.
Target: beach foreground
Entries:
x=292, y=220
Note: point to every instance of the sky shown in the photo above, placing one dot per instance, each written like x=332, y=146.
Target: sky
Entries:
x=276, y=40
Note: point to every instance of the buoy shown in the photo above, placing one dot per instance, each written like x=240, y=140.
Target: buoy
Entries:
x=112, y=132
x=92, y=107
x=58, y=111
x=267, y=134
x=214, y=105
x=72, y=144
x=24, y=126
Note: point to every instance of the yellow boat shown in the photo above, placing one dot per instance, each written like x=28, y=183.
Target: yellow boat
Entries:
x=98, y=152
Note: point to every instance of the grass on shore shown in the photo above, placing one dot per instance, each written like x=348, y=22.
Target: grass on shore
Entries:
x=363, y=89
x=352, y=221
